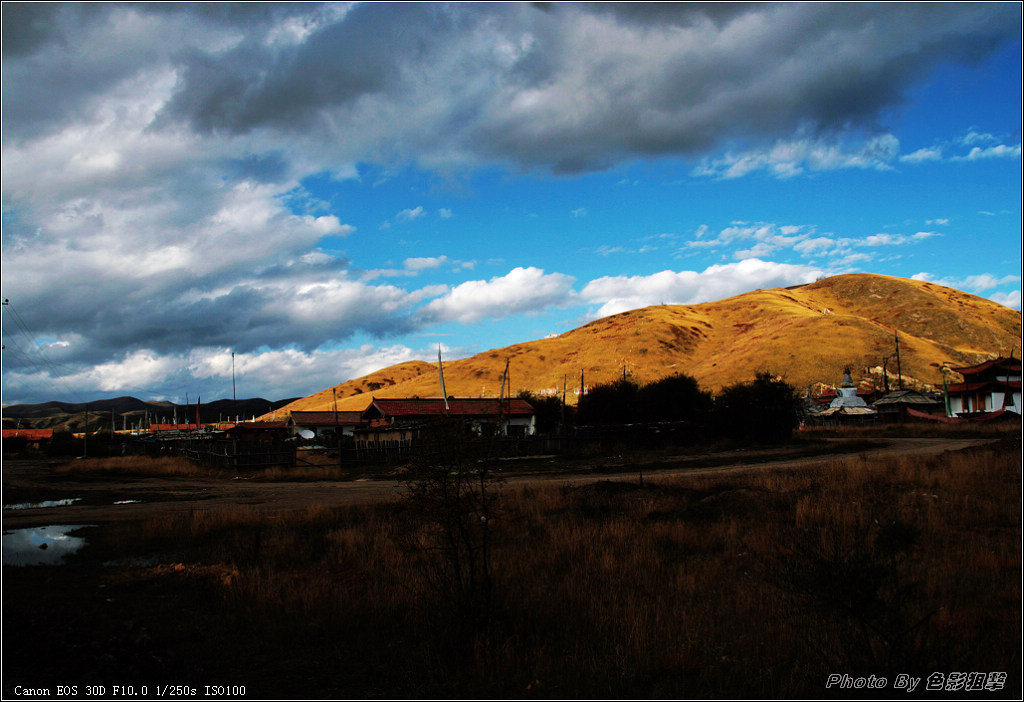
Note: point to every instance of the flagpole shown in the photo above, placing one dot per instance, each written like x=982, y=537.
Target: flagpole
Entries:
x=440, y=374
x=234, y=395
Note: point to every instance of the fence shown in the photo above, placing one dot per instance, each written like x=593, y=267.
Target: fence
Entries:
x=222, y=454
x=242, y=456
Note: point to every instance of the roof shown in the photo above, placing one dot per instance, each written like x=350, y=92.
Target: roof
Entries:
x=435, y=407
x=30, y=434
x=962, y=419
x=998, y=385
x=856, y=411
x=906, y=397
x=259, y=426
x=1001, y=363
x=173, y=427
x=327, y=419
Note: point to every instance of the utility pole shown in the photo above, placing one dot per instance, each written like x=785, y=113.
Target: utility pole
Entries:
x=234, y=397
x=899, y=367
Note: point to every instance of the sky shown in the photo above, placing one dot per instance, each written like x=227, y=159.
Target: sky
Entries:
x=264, y=200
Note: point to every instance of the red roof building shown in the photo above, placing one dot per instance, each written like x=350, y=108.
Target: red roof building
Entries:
x=32, y=436
x=340, y=423
x=156, y=428
x=516, y=416
x=988, y=387
x=259, y=431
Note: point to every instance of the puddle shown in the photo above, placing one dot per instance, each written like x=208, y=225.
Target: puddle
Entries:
x=46, y=545
x=47, y=503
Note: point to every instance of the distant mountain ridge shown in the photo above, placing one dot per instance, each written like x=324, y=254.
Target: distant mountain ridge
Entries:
x=128, y=409
x=807, y=334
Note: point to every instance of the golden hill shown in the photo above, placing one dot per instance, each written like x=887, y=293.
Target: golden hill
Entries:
x=806, y=334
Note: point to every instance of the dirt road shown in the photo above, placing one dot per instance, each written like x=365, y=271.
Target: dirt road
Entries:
x=97, y=499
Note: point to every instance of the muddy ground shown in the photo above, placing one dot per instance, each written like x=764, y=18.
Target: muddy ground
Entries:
x=102, y=498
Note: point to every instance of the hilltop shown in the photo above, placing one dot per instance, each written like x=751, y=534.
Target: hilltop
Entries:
x=806, y=334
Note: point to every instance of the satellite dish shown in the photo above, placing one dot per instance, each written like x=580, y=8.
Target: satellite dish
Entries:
x=306, y=434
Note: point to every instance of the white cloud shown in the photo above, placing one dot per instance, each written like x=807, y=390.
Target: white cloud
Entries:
x=982, y=146
x=1010, y=299
x=620, y=293
x=769, y=238
x=809, y=247
x=273, y=373
x=979, y=284
x=789, y=158
x=975, y=137
x=986, y=281
x=424, y=263
x=521, y=291
x=923, y=155
x=409, y=215
x=893, y=239
x=998, y=151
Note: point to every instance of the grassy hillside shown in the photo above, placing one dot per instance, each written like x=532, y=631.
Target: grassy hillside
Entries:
x=807, y=334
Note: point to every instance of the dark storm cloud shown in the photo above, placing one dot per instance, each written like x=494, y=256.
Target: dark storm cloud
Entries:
x=255, y=85
x=576, y=87
x=568, y=87
x=26, y=26
x=759, y=74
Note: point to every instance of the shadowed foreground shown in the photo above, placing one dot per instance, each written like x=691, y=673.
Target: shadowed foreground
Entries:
x=718, y=583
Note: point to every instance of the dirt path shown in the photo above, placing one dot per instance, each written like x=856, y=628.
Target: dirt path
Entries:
x=100, y=499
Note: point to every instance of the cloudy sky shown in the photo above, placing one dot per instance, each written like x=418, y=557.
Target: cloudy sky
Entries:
x=327, y=189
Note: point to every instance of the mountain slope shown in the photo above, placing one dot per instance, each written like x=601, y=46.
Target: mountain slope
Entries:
x=807, y=334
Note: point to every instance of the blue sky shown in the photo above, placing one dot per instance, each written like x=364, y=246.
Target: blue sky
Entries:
x=327, y=189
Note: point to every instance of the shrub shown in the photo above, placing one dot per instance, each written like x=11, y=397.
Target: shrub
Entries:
x=675, y=398
x=615, y=403
x=766, y=409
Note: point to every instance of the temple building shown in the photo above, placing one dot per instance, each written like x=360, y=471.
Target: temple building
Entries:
x=992, y=386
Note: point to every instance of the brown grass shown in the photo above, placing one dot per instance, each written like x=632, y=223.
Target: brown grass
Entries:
x=709, y=586
x=171, y=466
x=133, y=465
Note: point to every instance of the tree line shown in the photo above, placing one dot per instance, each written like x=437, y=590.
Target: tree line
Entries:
x=764, y=409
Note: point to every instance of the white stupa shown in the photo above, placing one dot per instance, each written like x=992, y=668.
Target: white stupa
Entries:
x=846, y=395
x=846, y=404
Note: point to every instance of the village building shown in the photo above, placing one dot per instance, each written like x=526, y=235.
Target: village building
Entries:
x=989, y=387
x=253, y=432
x=326, y=423
x=33, y=438
x=159, y=428
x=904, y=405
x=398, y=422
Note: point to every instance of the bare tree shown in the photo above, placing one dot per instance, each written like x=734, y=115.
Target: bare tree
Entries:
x=453, y=497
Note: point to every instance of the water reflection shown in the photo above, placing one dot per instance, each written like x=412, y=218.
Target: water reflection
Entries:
x=46, y=545
x=47, y=503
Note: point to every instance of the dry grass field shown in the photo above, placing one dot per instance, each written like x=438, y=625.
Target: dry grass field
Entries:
x=746, y=586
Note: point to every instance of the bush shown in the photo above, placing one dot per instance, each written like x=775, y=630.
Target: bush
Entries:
x=609, y=404
x=548, y=412
x=766, y=409
x=673, y=399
